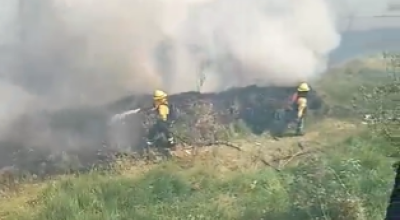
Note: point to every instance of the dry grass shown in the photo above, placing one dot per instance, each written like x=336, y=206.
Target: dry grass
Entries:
x=220, y=181
x=220, y=162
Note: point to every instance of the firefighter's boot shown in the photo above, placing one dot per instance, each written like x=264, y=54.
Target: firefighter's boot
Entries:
x=171, y=142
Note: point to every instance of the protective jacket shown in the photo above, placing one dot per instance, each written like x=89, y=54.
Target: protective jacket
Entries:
x=299, y=105
x=163, y=111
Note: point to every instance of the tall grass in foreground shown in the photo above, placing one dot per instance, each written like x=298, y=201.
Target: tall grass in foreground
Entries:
x=350, y=182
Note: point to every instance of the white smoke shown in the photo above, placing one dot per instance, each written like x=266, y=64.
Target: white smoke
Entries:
x=66, y=53
x=273, y=42
x=84, y=49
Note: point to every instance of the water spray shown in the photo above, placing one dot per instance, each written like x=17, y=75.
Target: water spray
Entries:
x=121, y=116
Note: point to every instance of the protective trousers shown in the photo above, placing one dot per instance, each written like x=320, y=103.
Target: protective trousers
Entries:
x=300, y=126
x=161, y=127
x=299, y=122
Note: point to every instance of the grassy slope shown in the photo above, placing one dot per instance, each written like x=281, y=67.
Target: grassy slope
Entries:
x=349, y=180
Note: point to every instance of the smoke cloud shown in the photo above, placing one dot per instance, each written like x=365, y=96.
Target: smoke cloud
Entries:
x=58, y=54
x=72, y=52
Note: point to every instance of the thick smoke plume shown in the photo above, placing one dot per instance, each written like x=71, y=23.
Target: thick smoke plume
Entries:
x=58, y=54
x=72, y=51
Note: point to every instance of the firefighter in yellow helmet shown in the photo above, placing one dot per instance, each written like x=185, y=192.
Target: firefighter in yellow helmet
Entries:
x=299, y=106
x=163, y=123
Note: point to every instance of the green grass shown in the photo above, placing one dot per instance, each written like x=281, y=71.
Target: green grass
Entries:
x=348, y=93
x=340, y=86
x=351, y=181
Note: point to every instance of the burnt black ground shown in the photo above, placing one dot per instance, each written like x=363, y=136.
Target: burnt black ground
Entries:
x=76, y=139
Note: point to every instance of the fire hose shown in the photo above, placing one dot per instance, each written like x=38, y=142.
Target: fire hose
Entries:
x=121, y=116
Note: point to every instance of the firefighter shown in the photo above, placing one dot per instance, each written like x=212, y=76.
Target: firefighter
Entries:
x=299, y=106
x=163, y=123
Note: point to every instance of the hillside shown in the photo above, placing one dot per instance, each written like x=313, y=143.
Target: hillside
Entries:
x=338, y=170
x=361, y=43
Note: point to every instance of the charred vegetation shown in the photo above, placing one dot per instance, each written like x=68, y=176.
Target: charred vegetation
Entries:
x=72, y=140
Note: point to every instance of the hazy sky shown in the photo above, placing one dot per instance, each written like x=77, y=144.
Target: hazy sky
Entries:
x=364, y=12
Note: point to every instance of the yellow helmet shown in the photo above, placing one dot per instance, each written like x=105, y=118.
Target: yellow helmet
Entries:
x=303, y=87
x=158, y=95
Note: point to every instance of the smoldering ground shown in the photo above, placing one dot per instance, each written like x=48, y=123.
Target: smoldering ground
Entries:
x=61, y=55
